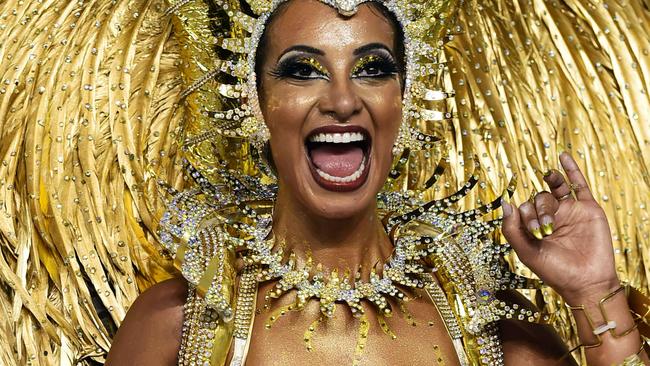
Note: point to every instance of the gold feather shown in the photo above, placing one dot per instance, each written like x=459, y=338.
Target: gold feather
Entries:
x=87, y=109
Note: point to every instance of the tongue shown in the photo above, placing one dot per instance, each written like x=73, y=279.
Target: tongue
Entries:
x=338, y=160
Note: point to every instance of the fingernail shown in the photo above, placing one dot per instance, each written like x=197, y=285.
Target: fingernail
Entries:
x=507, y=209
x=547, y=225
x=548, y=173
x=535, y=229
x=547, y=229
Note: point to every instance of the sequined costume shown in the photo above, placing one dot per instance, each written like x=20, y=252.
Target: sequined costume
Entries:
x=101, y=99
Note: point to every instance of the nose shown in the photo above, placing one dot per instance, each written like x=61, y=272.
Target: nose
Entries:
x=340, y=100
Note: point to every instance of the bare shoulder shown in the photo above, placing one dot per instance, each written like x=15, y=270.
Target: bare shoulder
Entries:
x=151, y=331
x=531, y=344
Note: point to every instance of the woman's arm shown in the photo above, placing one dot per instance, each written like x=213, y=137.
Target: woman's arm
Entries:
x=564, y=237
x=151, y=331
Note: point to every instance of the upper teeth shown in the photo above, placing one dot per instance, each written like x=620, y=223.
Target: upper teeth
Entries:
x=337, y=138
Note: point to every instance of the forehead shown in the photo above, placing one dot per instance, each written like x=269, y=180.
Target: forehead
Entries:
x=313, y=23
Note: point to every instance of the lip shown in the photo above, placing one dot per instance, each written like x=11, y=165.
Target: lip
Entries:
x=341, y=186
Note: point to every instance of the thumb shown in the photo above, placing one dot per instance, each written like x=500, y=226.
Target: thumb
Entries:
x=515, y=233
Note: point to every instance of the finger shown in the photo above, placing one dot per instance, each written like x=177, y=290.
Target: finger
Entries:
x=516, y=234
x=558, y=185
x=577, y=180
x=546, y=206
x=528, y=218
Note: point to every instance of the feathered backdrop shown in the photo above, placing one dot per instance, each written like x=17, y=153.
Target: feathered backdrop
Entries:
x=91, y=115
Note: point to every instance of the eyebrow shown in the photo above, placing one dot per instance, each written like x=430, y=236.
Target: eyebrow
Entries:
x=371, y=47
x=302, y=48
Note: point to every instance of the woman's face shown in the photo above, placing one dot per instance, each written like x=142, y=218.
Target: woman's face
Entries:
x=331, y=98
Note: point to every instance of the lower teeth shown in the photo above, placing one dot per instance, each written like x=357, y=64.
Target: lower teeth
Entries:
x=350, y=178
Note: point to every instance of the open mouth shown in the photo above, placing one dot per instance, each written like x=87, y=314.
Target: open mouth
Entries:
x=339, y=156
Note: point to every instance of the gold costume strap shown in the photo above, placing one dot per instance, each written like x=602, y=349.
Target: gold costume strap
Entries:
x=206, y=339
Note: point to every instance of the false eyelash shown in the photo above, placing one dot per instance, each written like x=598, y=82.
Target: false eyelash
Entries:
x=384, y=63
x=287, y=68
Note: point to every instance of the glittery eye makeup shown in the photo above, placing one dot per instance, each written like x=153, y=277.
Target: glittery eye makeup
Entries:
x=299, y=67
x=375, y=65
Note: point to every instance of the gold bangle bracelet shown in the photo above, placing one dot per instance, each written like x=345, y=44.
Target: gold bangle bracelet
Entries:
x=640, y=310
x=608, y=325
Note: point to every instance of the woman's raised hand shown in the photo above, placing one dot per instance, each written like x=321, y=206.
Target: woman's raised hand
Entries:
x=564, y=237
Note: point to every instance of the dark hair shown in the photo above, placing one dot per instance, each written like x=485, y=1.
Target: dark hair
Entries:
x=398, y=43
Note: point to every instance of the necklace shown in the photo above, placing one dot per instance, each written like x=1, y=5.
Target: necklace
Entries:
x=404, y=267
x=244, y=315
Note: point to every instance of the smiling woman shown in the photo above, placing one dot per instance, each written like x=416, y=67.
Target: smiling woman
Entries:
x=334, y=87
x=320, y=182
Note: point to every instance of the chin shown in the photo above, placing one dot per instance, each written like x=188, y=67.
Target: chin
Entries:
x=342, y=206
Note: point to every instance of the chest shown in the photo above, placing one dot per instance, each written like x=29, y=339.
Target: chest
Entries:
x=415, y=334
